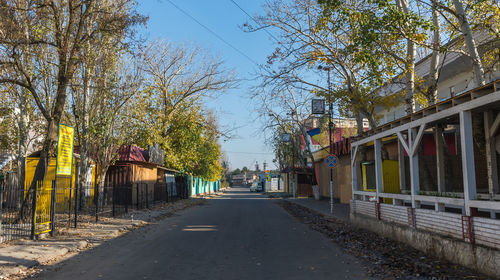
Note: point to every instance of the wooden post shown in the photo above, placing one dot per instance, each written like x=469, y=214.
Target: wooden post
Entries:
x=438, y=138
x=378, y=168
x=491, y=159
x=414, y=168
x=467, y=145
x=402, y=168
x=354, y=170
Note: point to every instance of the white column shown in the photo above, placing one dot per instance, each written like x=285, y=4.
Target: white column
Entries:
x=467, y=145
x=438, y=138
x=414, y=170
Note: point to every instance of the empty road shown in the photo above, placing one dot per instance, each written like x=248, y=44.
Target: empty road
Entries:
x=240, y=235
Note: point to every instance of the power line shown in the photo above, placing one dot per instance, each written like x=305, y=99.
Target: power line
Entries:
x=254, y=20
x=213, y=33
x=250, y=153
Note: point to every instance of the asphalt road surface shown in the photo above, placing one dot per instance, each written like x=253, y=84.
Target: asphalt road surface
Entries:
x=240, y=235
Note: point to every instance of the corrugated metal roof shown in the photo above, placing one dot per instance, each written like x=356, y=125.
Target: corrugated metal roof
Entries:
x=132, y=153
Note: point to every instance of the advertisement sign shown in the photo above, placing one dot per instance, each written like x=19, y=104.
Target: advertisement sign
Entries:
x=65, y=150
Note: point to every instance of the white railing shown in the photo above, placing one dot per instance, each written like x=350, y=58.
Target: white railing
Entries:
x=440, y=202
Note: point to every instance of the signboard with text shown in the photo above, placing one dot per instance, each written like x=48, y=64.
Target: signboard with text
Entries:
x=65, y=150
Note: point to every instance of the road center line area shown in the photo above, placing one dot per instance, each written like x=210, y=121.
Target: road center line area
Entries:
x=239, y=235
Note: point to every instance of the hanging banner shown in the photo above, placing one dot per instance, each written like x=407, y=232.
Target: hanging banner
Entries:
x=65, y=150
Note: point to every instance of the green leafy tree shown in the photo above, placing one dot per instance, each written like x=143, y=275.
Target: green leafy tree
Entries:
x=169, y=110
x=313, y=38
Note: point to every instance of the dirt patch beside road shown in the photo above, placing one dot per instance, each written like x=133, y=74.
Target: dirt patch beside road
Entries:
x=387, y=258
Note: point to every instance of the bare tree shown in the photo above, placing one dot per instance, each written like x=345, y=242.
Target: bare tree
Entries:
x=311, y=36
x=287, y=111
x=176, y=75
x=41, y=43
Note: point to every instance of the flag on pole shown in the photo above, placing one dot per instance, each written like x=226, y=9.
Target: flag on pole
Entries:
x=314, y=131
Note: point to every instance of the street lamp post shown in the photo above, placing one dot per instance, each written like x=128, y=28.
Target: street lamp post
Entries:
x=330, y=128
x=294, y=183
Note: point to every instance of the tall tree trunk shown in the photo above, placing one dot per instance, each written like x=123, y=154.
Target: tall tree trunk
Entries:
x=477, y=66
x=362, y=148
x=369, y=117
x=85, y=178
x=410, y=78
x=432, y=93
x=359, y=123
x=23, y=122
x=22, y=149
x=410, y=66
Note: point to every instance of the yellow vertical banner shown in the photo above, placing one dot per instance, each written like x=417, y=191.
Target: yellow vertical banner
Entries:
x=65, y=150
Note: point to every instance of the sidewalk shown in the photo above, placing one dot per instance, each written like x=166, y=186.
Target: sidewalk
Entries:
x=21, y=258
x=322, y=206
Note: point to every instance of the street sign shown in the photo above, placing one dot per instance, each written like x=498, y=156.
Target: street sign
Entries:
x=285, y=137
x=318, y=106
x=331, y=161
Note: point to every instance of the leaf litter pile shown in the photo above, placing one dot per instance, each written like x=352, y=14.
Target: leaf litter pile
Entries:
x=385, y=258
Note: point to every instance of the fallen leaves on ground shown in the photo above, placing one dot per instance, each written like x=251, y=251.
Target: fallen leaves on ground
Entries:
x=384, y=258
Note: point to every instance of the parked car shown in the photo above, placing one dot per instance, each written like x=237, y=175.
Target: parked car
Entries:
x=256, y=187
x=259, y=187
x=253, y=188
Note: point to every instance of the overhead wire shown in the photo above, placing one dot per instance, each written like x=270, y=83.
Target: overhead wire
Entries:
x=250, y=153
x=254, y=20
x=214, y=33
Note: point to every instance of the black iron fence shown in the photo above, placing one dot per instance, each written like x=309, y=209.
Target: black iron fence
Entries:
x=30, y=210
x=15, y=212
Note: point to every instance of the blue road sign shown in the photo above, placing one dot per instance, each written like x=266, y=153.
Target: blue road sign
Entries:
x=331, y=161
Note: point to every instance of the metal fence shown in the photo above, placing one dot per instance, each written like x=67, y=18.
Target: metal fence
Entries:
x=30, y=210
x=15, y=212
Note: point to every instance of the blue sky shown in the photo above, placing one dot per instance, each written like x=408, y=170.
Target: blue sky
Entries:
x=234, y=108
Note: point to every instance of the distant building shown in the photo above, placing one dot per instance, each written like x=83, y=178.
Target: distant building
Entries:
x=239, y=179
x=244, y=178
